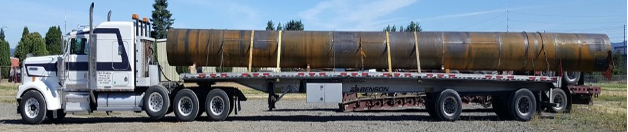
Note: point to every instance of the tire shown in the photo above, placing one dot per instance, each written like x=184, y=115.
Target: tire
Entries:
x=158, y=97
x=522, y=105
x=217, y=105
x=500, y=109
x=186, y=106
x=448, y=105
x=559, y=97
x=429, y=106
x=60, y=116
x=571, y=78
x=33, y=107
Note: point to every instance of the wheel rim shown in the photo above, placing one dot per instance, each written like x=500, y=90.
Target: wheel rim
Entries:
x=155, y=101
x=185, y=106
x=524, y=106
x=571, y=76
x=31, y=108
x=558, y=98
x=450, y=106
x=217, y=105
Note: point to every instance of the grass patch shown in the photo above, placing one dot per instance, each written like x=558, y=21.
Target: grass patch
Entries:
x=599, y=119
x=610, y=98
x=613, y=86
x=8, y=92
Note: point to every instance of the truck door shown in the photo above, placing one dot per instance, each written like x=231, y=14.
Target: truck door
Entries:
x=76, y=64
x=120, y=64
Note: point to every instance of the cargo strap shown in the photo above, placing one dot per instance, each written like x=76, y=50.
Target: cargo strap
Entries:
x=544, y=53
x=388, y=50
x=251, y=51
x=279, y=51
x=416, y=49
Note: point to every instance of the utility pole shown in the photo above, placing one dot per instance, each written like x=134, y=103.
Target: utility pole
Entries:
x=507, y=20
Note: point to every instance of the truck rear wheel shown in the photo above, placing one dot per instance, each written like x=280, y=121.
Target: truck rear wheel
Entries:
x=448, y=105
x=522, y=105
x=499, y=107
x=156, y=102
x=217, y=105
x=429, y=105
x=33, y=107
x=186, y=106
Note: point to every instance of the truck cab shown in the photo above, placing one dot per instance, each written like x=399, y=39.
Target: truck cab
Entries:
x=102, y=68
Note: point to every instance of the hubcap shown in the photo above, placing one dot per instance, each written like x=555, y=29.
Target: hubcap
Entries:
x=185, y=106
x=217, y=105
x=571, y=76
x=523, y=106
x=450, y=106
x=155, y=101
x=31, y=108
x=559, y=99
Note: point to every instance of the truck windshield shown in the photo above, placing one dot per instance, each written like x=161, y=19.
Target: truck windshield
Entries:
x=78, y=46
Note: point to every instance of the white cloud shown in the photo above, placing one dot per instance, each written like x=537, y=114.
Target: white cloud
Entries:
x=352, y=15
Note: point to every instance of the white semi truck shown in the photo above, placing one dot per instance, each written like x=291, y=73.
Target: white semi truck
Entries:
x=112, y=67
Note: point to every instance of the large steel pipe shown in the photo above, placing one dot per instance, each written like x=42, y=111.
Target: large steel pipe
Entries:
x=519, y=51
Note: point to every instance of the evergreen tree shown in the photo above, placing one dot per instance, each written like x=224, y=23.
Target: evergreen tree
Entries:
x=270, y=25
x=53, y=40
x=161, y=20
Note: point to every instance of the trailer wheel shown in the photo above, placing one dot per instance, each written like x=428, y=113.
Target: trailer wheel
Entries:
x=186, y=105
x=448, y=105
x=499, y=108
x=560, y=98
x=571, y=77
x=429, y=105
x=156, y=102
x=523, y=105
x=217, y=105
x=60, y=116
x=33, y=107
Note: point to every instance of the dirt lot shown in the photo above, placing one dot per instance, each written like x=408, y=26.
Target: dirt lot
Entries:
x=293, y=114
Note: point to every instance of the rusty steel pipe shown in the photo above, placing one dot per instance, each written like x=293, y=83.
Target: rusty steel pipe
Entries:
x=518, y=51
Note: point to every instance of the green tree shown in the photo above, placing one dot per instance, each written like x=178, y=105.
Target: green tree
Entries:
x=387, y=28
x=393, y=29
x=270, y=25
x=25, y=31
x=161, y=20
x=294, y=25
x=53, y=40
x=413, y=26
x=401, y=29
x=279, y=27
x=32, y=43
x=5, y=53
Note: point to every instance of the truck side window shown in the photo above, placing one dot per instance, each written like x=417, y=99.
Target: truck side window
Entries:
x=78, y=46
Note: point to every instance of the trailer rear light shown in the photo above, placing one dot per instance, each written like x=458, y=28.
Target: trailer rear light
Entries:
x=386, y=74
x=440, y=75
x=365, y=74
x=202, y=75
x=543, y=78
x=499, y=77
x=266, y=74
x=223, y=74
x=354, y=74
x=322, y=74
x=212, y=75
x=488, y=76
x=532, y=77
x=510, y=77
x=343, y=74
x=245, y=74
x=452, y=75
x=301, y=74
x=312, y=74
x=408, y=74
x=256, y=74
x=396, y=74
x=429, y=75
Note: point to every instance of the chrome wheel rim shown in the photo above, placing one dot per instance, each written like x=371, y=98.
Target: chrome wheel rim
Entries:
x=217, y=105
x=449, y=106
x=31, y=108
x=185, y=106
x=523, y=106
x=558, y=98
x=155, y=101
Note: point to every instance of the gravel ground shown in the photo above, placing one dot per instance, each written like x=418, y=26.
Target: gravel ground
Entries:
x=291, y=115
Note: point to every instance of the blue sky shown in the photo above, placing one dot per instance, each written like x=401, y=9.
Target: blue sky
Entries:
x=589, y=16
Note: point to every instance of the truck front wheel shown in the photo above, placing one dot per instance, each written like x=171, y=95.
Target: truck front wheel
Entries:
x=156, y=102
x=217, y=105
x=33, y=107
